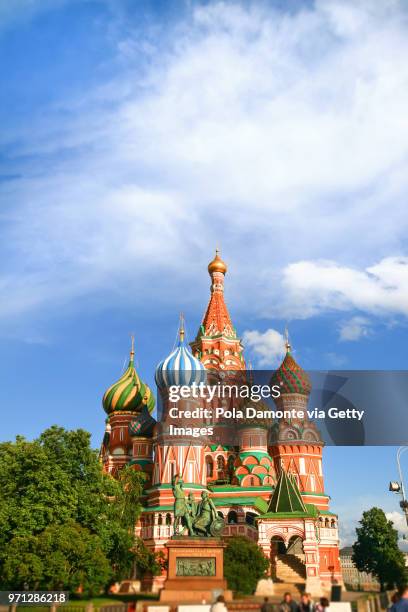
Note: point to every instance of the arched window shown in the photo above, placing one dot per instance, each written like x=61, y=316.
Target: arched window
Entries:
x=232, y=518
x=168, y=519
x=220, y=466
x=160, y=520
x=250, y=518
x=333, y=524
x=278, y=546
x=210, y=466
x=327, y=523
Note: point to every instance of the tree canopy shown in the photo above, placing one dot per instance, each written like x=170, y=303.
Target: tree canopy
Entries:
x=62, y=556
x=55, y=500
x=244, y=564
x=376, y=549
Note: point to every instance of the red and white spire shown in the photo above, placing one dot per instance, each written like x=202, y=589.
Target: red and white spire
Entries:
x=216, y=343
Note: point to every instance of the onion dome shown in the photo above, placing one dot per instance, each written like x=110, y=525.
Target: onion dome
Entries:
x=180, y=367
x=217, y=265
x=142, y=424
x=129, y=393
x=290, y=376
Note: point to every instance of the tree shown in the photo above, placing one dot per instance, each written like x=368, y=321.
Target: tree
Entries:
x=376, y=549
x=244, y=564
x=57, y=481
x=148, y=562
x=61, y=556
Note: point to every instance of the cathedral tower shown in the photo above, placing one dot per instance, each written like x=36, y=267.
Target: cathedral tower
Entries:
x=128, y=403
x=296, y=444
x=216, y=343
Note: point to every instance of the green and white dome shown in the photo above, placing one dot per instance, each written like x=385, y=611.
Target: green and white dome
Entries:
x=129, y=393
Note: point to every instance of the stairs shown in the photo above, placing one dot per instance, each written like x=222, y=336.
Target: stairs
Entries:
x=280, y=588
x=289, y=569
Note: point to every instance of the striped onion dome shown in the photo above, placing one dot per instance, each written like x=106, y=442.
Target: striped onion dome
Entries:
x=129, y=393
x=290, y=376
x=180, y=367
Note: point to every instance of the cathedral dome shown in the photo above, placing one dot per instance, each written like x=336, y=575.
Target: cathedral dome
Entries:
x=180, y=367
x=217, y=265
x=142, y=424
x=129, y=393
x=290, y=376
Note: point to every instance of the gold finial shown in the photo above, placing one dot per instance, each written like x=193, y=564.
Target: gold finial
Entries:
x=287, y=342
x=181, y=329
x=217, y=265
x=132, y=346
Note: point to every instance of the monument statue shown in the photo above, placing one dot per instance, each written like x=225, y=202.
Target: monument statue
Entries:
x=192, y=505
x=200, y=520
x=181, y=509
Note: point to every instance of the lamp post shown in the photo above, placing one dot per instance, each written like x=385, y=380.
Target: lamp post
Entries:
x=398, y=487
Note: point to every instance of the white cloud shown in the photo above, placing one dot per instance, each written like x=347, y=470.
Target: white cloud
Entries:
x=355, y=328
x=268, y=347
x=400, y=524
x=275, y=133
x=315, y=286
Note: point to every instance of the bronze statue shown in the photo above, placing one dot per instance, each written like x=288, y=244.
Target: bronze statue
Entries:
x=201, y=520
x=181, y=510
x=192, y=505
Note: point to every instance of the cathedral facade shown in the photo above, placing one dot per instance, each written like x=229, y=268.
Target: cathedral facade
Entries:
x=268, y=485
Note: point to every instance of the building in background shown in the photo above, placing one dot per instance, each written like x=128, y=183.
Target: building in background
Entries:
x=268, y=485
x=353, y=579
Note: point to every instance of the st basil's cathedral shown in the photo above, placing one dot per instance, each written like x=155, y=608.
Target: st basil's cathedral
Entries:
x=269, y=486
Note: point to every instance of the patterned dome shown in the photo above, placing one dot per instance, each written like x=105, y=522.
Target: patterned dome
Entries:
x=290, y=376
x=129, y=393
x=141, y=424
x=180, y=367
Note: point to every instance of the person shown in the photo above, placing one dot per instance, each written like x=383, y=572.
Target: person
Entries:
x=219, y=605
x=266, y=606
x=306, y=604
x=288, y=604
x=394, y=599
x=322, y=605
x=402, y=604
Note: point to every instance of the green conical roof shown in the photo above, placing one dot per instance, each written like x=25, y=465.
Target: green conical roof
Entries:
x=286, y=497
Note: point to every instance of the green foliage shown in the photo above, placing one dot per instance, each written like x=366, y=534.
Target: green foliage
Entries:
x=56, y=482
x=128, y=495
x=148, y=562
x=61, y=556
x=244, y=564
x=376, y=549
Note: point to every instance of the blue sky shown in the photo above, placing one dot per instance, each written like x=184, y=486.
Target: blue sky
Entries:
x=137, y=136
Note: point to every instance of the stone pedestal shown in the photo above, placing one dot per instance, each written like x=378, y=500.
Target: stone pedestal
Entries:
x=265, y=587
x=195, y=570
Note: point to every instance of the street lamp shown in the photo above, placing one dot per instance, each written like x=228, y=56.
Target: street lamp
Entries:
x=398, y=487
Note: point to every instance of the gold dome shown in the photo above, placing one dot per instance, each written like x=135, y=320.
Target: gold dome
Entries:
x=217, y=265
